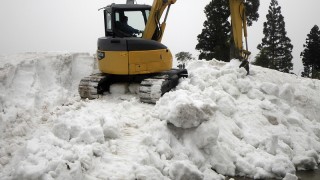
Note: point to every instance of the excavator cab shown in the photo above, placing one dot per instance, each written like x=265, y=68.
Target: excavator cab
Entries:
x=118, y=17
x=123, y=51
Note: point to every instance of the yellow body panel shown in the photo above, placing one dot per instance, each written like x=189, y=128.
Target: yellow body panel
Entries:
x=145, y=62
x=135, y=62
x=115, y=62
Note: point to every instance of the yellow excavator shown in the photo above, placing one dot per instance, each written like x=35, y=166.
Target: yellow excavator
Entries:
x=132, y=52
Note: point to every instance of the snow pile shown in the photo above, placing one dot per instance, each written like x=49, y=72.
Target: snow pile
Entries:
x=217, y=122
x=34, y=81
x=268, y=122
x=31, y=85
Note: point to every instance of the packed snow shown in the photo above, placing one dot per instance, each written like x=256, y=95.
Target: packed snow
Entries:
x=218, y=122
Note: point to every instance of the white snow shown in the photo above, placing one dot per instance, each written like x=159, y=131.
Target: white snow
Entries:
x=217, y=122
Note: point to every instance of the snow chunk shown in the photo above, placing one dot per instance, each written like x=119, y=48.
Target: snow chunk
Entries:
x=270, y=88
x=164, y=150
x=227, y=105
x=31, y=170
x=281, y=166
x=224, y=163
x=61, y=131
x=244, y=85
x=110, y=131
x=290, y=176
x=91, y=135
x=209, y=174
x=287, y=92
x=32, y=147
x=185, y=110
x=184, y=170
x=255, y=94
x=206, y=135
x=230, y=88
x=305, y=162
x=119, y=88
x=147, y=172
x=204, y=138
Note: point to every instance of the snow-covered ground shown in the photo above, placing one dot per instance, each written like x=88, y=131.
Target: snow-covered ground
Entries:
x=217, y=122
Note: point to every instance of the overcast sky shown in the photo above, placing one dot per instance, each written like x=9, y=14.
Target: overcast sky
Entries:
x=75, y=25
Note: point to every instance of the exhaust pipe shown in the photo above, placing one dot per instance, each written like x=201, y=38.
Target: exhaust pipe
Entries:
x=130, y=1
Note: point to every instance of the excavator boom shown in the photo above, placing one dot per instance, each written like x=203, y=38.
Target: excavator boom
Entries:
x=239, y=30
x=154, y=29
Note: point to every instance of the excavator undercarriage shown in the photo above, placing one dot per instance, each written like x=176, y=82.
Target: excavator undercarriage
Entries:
x=152, y=86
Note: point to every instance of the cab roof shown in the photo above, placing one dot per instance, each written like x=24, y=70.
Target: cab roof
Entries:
x=128, y=7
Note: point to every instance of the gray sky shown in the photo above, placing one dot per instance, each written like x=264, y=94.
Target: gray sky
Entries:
x=75, y=25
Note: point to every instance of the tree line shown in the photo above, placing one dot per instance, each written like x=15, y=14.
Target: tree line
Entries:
x=275, y=49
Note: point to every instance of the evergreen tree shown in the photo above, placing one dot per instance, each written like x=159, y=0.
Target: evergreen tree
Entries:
x=262, y=59
x=184, y=56
x=252, y=7
x=214, y=40
x=311, y=54
x=276, y=45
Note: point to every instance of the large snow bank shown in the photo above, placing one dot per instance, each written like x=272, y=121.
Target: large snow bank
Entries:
x=217, y=122
x=31, y=85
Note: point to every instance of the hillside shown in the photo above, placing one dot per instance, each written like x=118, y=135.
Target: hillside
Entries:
x=218, y=122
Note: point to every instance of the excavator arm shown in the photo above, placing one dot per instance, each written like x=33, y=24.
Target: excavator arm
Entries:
x=154, y=29
x=239, y=30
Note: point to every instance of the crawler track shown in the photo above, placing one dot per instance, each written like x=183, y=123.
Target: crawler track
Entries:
x=88, y=86
x=152, y=87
